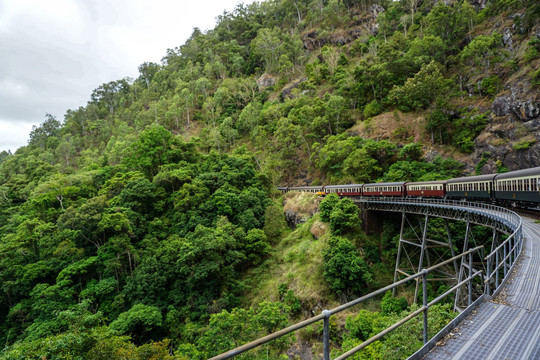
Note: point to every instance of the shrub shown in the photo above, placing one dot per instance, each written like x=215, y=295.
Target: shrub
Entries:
x=372, y=109
x=393, y=305
x=344, y=268
x=491, y=85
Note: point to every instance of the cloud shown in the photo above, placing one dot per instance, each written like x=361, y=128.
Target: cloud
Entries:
x=14, y=134
x=55, y=52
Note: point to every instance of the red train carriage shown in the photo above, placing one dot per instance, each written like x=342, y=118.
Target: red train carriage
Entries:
x=384, y=189
x=426, y=188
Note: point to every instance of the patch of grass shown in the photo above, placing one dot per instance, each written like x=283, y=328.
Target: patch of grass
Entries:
x=297, y=262
x=523, y=145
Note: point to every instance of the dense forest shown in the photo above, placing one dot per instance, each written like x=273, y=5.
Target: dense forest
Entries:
x=146, y=224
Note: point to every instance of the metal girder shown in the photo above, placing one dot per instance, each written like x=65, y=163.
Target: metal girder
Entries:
x=479, y=214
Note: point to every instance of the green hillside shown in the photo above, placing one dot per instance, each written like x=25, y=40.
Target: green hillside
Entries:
x=147, y=224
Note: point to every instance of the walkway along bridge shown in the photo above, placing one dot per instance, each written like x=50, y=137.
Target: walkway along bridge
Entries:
x=478, y=273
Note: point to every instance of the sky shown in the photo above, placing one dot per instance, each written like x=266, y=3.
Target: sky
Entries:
x=53, y=53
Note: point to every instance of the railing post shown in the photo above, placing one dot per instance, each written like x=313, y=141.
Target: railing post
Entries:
x=505, y=252
x=488, y=282
x=497, y=269
x=470, y=279
x=326, y=334
x=425, y=302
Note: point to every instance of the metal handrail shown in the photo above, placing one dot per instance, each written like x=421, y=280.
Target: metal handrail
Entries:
x=513, y=251
x=325, y=315
x=511, y=220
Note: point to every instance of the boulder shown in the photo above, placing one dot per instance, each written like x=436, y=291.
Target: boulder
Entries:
x=501, y=105
x=525, y=110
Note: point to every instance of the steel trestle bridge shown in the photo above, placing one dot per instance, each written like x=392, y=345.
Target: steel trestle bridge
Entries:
x=478, y=275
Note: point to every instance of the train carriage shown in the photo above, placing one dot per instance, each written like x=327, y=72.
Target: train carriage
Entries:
x=384, y=189
x=310, y=189
x=520, y=187
x=344, y=190
x=426, y=188
x=471, y=187
x=283, y=189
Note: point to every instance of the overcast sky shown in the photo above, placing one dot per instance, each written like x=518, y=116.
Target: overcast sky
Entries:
x=53, y=53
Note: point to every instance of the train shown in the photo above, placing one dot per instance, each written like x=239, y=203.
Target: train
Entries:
x=520, y=188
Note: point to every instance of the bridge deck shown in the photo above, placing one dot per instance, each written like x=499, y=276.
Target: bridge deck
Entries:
x=507, y=327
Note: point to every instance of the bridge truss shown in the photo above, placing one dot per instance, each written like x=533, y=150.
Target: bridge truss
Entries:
x=420, y=247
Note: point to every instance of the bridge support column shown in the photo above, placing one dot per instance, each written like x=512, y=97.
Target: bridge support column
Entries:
x=418, y=244
x=372, y=220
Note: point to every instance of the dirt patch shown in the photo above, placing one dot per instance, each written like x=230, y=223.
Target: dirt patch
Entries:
x=318, y=229
x=393, y=126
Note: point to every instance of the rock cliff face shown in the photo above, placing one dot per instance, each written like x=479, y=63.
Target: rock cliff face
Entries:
x=299, y=207
x=364, y=24
x=513, y=135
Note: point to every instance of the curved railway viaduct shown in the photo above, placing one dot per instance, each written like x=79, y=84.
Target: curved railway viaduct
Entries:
x=496, y=285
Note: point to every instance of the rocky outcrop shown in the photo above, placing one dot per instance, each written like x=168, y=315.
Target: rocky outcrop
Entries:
x=299, y=207
x=507, y=38
x=287, y=91
x=266, y=80
x=363, y=25
x=479, y=4
x=521, y=108
x=501, y=105
x=294, y=219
